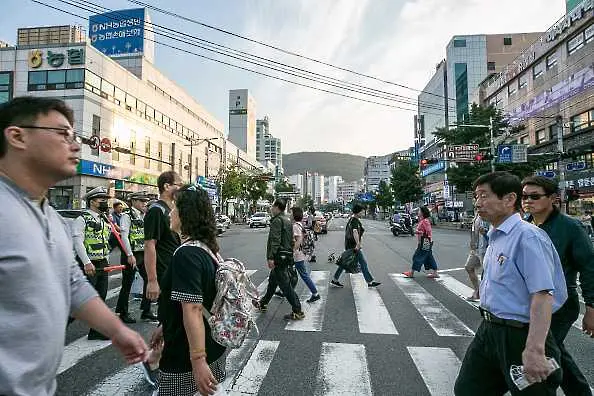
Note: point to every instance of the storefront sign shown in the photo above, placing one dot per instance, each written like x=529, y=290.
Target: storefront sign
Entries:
x=433, y=169
x=94, y=168
x=118, y=33
x=107, y=171
x=575, y=15
x=75, y=56
x=581, y=180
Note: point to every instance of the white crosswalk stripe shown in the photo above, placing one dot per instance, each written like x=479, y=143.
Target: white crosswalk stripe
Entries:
x=249, y=379
x=438, y=367
x=434, y=312
x=314, y=313
x=372, y=314
x=343, y=371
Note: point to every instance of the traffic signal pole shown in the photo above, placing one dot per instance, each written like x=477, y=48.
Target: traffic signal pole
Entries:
x=560, y=166
x=492, y=144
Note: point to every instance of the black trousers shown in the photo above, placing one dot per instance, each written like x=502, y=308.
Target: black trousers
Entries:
x=128, y=279
x=485, y=368
x=279, y=277
x=99, y=281
x=574, y=382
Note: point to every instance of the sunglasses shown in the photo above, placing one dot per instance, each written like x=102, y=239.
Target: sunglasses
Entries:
x=534, y=197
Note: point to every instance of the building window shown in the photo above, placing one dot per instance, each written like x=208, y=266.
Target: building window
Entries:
x=523, y=81
x=459, y=43
x=107, y=89
x=589, y=33
x=580, y=121
x=132, y=147
x=512, y=88
x=538, y=70
x=553, y=132
x=507, y=41
x=160, y=156
x=96, y=131
x=541, y=136
x=5, y=86
x=461, y=75
x=119, y=97
x=552, y=60
x=75, y=78
x=523, y=140
x=575, y=43
x=490, y=66
x=147, y=152
x=93, y=82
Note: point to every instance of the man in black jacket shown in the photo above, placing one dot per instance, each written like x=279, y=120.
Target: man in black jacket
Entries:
x=279, y=254
x=577, y=256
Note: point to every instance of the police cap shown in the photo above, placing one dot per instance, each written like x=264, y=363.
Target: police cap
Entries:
x=139, y=196
x=97, y=192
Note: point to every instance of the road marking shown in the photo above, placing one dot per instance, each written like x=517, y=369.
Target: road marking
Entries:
x=445, y=323
x=251, y=272
x=111, y=293
x=451, y=270
x=124, y=382
x=249, y=379
x=314, y=312
x=372, y=314
x=342, y=371
x=78, y=350
x=438, y=367
x=463, y=291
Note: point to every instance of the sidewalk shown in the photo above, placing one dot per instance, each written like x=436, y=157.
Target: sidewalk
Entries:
x=456, y=226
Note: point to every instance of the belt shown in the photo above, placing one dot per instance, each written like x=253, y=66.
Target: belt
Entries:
x=489, y=317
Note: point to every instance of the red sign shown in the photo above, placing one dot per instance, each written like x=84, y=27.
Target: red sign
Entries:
x=94, y=142
x=105, y=145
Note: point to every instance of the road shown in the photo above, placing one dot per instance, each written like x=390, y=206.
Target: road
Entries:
x=357, y=341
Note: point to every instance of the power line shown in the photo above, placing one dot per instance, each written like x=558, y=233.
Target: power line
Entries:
x=170, y=13
x=294, y=71
x=245, y=68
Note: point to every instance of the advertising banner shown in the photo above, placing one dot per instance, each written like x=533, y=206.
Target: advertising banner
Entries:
x=118, y=33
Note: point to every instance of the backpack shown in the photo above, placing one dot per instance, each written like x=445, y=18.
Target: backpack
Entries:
x=230, y=318
x=307, y=244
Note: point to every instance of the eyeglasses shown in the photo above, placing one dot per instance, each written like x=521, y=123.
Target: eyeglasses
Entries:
x=67, y=133
x=534, y=197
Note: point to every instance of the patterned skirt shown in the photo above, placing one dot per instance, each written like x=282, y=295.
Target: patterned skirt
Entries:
x=183, y=384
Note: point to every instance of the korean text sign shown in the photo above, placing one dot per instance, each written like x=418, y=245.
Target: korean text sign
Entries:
x=118, y=33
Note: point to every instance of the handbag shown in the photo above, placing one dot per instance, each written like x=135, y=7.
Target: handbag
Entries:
x=283, y=258
x=426, y=244
x=349, y=262
x=293, y=276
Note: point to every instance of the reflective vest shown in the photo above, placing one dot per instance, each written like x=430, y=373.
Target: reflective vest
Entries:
x=136, y=235
x=96, y=237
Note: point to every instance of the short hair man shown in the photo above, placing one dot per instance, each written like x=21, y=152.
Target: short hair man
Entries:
x=279, y=255
x=574, y=247
x=478, y=247
x=522, y=285
x=39, y=148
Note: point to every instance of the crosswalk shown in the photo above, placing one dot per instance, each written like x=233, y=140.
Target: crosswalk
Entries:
x=341, y=368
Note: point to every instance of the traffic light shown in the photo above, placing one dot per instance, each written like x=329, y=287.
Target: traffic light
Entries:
x=478, y=157
x=429, y=161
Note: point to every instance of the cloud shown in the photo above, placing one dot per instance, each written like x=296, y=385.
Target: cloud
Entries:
x=399, y=42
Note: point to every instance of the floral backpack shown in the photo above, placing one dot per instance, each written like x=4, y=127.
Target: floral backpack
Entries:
x=230, y=318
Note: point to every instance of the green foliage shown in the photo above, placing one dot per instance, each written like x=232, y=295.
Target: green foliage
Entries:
x=255, y=189
x=283, y=187
x=305, y=202
x=233, y=184
x=405, y=182
x=384, y=197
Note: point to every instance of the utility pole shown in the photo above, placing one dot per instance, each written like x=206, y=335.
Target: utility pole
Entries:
x=560, y=164
x=492, y=144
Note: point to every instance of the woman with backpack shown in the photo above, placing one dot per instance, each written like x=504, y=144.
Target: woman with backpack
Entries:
x=424, y=253
x=299, y=255
x=191, y=361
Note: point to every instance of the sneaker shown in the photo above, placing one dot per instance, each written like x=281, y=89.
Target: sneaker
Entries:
x=408, y=274
x=312, y=259
x=150, y=375
x=149, y=316
x=373, y=284
x=259, y=306
x=126, y=318
x=313, y=298
x=433, y=275
x=279, y=294
x=336, y=283
x=294, y=316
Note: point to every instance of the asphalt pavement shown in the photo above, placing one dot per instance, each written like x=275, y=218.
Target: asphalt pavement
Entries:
x=407, y=337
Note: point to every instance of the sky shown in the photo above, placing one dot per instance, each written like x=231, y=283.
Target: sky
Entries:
x=399, y=41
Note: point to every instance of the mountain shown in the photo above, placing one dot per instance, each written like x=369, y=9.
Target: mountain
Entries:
x=350, y=167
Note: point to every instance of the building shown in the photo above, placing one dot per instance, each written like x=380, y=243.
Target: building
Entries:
x=50, y=35
x=553, y=78
x=348, y=190
x=297, y=181
x=268, y=148
x=242, y=121
x=570, y=5
x=315, y=187
x=136, y=127
x=331, y=184
x=377, y=168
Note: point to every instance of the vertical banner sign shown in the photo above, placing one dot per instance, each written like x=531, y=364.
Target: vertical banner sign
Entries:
x=118, y=33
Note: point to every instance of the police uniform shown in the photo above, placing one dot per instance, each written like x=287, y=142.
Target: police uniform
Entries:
x=132, y=234
x=90, y=234
x=519, y=262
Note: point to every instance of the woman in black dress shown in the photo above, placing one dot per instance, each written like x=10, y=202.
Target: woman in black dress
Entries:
x=191, y=361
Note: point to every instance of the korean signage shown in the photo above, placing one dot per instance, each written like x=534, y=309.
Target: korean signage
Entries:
x=574, y=15
x=462, y=152
x=108, y=171
x=512, y=153
x=74, y=57
x=210, y=187
x=433, y=169
x=583, y=182
x=118, y=33
x=576, y=166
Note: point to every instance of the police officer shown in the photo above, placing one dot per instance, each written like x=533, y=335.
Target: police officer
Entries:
x=132, y=234
x=90, y=234
x=522, y=285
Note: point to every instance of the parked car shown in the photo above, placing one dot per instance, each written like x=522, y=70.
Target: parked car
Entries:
x=321, y=220
x=225, y=220
x=221, y=228
x=259, y=219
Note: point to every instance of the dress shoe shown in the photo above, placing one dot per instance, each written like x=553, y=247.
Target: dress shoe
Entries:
x=149, y=316
x=126, y=318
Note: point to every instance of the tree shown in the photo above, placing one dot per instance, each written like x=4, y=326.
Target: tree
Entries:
x=462, y=175
x=232, y=185
x=256, y=188
x=305, y=202
x=384, y=197
x=283, y=186
x=405, y=182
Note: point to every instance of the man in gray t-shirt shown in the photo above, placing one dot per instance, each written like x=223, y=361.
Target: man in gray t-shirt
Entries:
x=40, y=282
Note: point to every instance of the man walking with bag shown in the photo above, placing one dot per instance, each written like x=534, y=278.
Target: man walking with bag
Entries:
x=279, y=253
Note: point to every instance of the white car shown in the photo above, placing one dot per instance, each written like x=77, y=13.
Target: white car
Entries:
x=259, y=219
x=225, y=220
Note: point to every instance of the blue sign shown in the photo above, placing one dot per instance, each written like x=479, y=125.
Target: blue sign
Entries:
x=549, y=174
x=505, y=154
x=575, y=166
x=365, y=197
x=118, y=33
x=433, y=169
x=210, y=187
x=94, y=168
